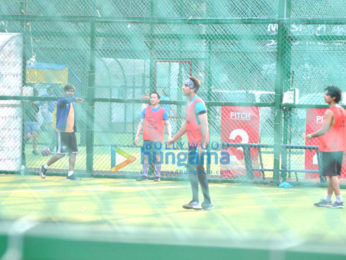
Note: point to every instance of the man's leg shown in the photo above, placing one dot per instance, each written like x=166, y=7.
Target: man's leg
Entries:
x=27, y=137
x=331, y=166
x=71, y=144
x=158, y=165
x=337, y=158
x=194, y=203
x=327, y=201
x=203, y=180
x=72, y=162
x=145, y=165
x=34, y=142
x=337, y=165
x=43, y=132
x=60, y=143
x=52, y=160
x=330, y=189
x=145, y=168
x=325, y=171
x=192, y=172
x=55, y=158
x=335, y=185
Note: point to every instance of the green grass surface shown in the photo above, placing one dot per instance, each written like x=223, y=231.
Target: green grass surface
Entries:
x=241, y=211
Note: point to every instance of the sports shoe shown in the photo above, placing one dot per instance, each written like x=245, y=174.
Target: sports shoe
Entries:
x=142, y=178
x=72, y=178
x=157, y=179
x=43, y=172
x=207, y=206
x=192, y=205
x=323, y=203
x=338, y=205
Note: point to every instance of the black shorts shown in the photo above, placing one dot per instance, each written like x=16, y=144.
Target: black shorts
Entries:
x=331, y=163
x=66, y=143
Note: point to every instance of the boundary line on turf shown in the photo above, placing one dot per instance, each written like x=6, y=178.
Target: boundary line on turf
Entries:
x=93, y=189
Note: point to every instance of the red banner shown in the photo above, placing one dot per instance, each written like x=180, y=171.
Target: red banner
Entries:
x=239, y=125
x=314, y=122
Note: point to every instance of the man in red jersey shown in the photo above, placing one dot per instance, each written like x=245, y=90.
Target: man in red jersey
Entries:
x=154, y=119
x=196, y=128
x=332, y=145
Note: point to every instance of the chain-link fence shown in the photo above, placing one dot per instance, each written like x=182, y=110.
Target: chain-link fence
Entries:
x=263, y=68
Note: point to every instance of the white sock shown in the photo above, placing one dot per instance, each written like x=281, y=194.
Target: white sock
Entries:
x=338, y=198
x=328, y=197
x=158, y=170
x=45, y=166
x=145, y=169
x=69, y=173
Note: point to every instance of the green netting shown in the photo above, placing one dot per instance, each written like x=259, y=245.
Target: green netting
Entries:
x=250, y=55
x=175, y=8
x=320, y=9
x=246, y=53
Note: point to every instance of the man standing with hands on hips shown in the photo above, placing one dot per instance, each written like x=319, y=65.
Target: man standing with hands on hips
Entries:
x=196, y=128
x=332, y=145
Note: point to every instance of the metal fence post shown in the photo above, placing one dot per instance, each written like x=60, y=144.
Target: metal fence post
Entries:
x=24, y=35
x=209, y=84
x=90, y=100
x=281, y=73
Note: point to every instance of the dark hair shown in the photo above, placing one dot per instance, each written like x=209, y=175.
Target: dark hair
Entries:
x=196, y=83
x=69, y=87
x=334, y=91
x=157, y=94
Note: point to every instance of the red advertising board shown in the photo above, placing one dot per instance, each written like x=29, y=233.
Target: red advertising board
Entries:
x=239, y=125
x=314, y=121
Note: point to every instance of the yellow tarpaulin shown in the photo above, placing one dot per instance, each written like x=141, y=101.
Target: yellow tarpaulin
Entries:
x=40, y=76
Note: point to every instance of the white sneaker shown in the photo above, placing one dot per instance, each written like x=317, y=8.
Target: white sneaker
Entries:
x=43, y=172
x=207, y=206
x=193, y=205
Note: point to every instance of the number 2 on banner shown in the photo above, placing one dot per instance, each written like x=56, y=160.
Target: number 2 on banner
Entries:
x=244, y=140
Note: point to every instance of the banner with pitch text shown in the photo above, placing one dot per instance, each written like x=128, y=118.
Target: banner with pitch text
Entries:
x=239, y=125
